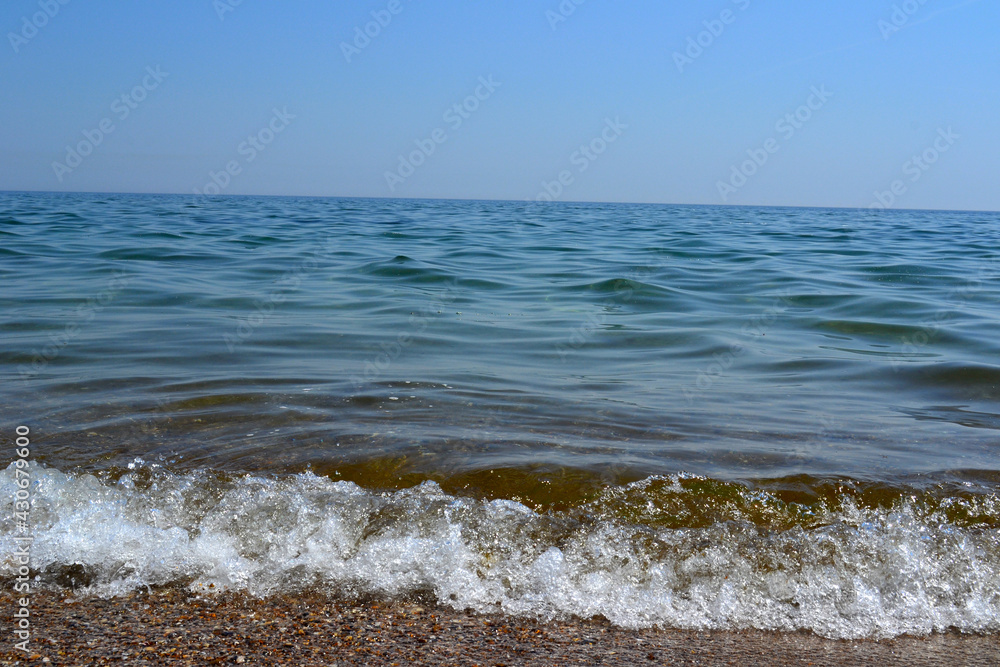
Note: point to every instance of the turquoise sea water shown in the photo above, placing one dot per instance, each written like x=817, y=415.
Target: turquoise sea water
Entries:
x=685, y=416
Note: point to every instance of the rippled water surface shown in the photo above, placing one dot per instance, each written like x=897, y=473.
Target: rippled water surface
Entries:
x=641, y=400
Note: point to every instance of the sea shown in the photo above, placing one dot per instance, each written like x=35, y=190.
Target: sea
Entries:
x=675, y=416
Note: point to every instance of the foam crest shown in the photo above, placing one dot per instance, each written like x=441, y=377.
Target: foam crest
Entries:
x=840, y=569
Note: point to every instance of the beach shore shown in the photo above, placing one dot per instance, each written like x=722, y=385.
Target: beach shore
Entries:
x=178, y=627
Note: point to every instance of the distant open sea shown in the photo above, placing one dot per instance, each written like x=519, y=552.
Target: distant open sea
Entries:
x=684, y=416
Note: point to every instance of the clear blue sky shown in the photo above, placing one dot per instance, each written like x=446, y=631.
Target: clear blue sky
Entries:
x=687, y=124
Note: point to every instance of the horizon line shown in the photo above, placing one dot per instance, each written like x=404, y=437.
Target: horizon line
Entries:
x=504, y=201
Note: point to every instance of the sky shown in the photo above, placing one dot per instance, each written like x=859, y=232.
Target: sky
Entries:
x=859, y=103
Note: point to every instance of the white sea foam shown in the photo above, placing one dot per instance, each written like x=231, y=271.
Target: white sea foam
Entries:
x=859, y=573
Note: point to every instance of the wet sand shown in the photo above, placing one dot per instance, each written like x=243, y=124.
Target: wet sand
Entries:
x=177, y=627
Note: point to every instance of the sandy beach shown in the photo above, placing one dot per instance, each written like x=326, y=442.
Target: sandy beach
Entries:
x=177, y=627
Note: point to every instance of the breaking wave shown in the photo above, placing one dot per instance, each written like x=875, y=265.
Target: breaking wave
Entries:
x=677, y=551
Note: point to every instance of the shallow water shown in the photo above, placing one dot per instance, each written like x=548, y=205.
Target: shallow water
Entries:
x=686, y=416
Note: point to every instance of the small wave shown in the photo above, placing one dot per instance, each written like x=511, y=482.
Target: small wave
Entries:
x=629, y=290
x=679, y=551
x=970, y=381
x=406, y=269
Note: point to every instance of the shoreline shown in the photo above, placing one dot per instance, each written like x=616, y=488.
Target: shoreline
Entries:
x=179, y=627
